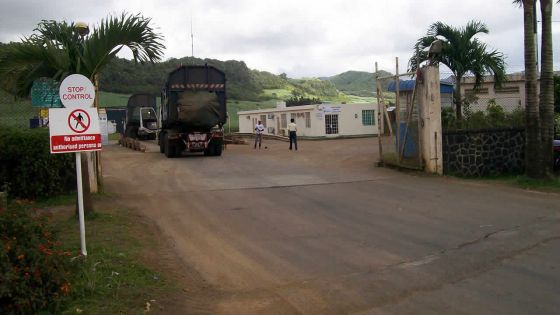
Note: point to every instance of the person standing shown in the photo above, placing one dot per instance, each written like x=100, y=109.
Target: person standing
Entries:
x=259, y=129
x=292, y=129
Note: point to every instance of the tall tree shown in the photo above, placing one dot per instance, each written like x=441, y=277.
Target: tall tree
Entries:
x=462, y=53
x=58, y=49
x=546, y=96
x=532, y=120
x=539, y=107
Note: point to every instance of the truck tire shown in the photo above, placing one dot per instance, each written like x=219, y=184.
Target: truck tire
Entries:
x=128, y=132
x=169, y=148
x=209, y=151
x=218, y=146
x=134, y=132
x=178, y=150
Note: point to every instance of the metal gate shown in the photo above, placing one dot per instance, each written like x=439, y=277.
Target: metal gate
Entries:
x=398, y=118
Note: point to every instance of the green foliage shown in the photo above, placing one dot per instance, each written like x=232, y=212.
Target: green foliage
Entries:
x=236, y=106
x=494, y=117
x=462, y=53
x=56, y=50
x=267, y=80
x=317, y=87
x=358, y=82
x=128, y=77
x=301, y=100
x=33, y=267
x=28, y=168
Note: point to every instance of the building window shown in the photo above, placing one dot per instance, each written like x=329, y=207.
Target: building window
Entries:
x=263, y=120
x=477, y=91
x=507, y=89
x=307, y=120
x=368, y=116
x=283, y=121
x=293, y=116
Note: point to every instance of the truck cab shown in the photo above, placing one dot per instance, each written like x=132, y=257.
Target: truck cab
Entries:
x=141, y=118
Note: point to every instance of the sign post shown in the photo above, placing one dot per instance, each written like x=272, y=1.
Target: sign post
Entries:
x=76, y=129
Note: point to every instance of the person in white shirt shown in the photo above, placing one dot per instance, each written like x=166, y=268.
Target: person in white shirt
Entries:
x=259, y=129
x=292, y=129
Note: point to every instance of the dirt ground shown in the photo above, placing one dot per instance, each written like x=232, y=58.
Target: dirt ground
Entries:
x=324, y=231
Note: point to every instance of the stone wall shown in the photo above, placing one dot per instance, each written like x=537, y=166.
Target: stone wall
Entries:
x=483, y=152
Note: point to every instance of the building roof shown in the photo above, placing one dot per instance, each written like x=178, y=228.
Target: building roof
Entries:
x=408, y=85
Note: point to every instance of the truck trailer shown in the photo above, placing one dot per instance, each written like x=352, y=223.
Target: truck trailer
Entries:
x=193, y=111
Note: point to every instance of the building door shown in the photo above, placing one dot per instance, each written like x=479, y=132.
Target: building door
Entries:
x=331, y=124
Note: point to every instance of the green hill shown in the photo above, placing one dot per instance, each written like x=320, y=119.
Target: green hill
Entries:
x=358, y=83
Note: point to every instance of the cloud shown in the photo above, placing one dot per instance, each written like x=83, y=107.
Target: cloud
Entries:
x=301, y=38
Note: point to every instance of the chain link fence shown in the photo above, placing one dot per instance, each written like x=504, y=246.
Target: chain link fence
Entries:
x=18, y=113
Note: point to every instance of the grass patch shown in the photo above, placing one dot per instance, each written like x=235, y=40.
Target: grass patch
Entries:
x=525, y=182
x=108, y=99
x=111, y=280
x=114, y=136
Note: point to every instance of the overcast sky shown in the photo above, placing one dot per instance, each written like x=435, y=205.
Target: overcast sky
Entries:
x=299, y=37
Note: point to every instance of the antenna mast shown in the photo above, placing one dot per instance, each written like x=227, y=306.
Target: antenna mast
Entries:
x=192, y=39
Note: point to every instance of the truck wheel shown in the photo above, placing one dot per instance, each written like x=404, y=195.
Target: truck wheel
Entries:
x=133, y=132
x=169, y=149
x=218, y=146
x=178, y=150
x=128, y=132
x=209, y=150
x=162, y=142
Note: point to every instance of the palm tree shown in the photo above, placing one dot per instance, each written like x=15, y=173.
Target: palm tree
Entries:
x=59, y=49
x=546, y=97
x=539, y=108
x=462, y=53
x=532, y=120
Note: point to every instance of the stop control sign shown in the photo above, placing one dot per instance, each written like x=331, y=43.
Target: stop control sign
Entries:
x=76, y=91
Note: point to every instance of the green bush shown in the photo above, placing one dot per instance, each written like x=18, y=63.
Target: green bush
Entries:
x=494, y=117
x=28, y=169
x=33, y=268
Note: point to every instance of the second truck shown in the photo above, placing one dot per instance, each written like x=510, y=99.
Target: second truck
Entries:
x=193, y=111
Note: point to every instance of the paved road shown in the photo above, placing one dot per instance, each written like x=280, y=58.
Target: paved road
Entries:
x=323, y=231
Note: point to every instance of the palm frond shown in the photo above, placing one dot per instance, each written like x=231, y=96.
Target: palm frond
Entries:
x=56, y=50
x=116, y=32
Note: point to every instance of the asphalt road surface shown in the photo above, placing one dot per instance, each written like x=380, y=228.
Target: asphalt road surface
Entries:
x=323, y=231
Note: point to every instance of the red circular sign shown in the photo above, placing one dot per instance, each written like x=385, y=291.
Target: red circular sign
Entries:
x=79, y=121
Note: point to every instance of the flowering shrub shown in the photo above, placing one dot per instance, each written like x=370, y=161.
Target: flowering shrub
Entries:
x=33, y=268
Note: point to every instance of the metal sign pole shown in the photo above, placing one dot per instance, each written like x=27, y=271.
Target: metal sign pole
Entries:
x=81, y=203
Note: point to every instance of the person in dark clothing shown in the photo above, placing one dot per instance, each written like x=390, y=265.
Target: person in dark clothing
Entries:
x=292, y=129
